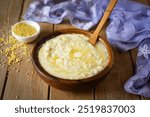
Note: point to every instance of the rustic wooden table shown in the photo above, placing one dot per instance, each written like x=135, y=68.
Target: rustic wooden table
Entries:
x=16, y=85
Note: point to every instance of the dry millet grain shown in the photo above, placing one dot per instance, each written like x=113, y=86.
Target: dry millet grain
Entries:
x=24, y=29
x=17, y=97
x=27, y=73
x=11, y=46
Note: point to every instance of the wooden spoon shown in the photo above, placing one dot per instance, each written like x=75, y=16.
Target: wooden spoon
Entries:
x=106, y=15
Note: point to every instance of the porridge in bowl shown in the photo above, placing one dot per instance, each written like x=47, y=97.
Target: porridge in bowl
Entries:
x=71, y=56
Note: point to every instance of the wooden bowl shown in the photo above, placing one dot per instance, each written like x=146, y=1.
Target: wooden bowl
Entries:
x=65, y=84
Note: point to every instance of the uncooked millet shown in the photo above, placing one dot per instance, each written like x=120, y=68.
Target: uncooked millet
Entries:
x=27, y=74
x=23, y=29
x=11, y=50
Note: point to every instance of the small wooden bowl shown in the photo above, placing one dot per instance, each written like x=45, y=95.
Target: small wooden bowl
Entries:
x=63, y=84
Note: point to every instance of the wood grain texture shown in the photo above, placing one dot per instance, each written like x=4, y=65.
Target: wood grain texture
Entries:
x=69, y=95
x=4, y=6
x=134, y=51
x=142, y=1
x=3, y=70
x=20, y=85
x=6, y=13
x=3, y=73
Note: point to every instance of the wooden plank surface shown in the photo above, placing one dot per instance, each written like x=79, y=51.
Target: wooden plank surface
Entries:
x=9, y=8
x=20, y=85
x=3, y=69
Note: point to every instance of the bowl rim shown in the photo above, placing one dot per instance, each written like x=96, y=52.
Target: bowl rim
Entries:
x=26, y=21
x=47, y=75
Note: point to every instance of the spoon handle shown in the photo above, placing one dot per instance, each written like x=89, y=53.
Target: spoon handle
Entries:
x=106, y=15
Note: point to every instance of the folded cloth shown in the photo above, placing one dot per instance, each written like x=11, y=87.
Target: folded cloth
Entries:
x=140, y=82
x=129, y=28
x=81, y=13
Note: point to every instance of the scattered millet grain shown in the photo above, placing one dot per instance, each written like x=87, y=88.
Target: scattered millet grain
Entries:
x=28, y=60
x=17, y=70
x=17, y=97
x=27, y=74
x=13, y=50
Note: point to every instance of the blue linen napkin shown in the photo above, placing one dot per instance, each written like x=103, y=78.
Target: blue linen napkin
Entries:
x=129, y=28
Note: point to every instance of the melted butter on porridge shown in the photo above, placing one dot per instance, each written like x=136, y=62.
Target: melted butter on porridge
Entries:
x=71, y=56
